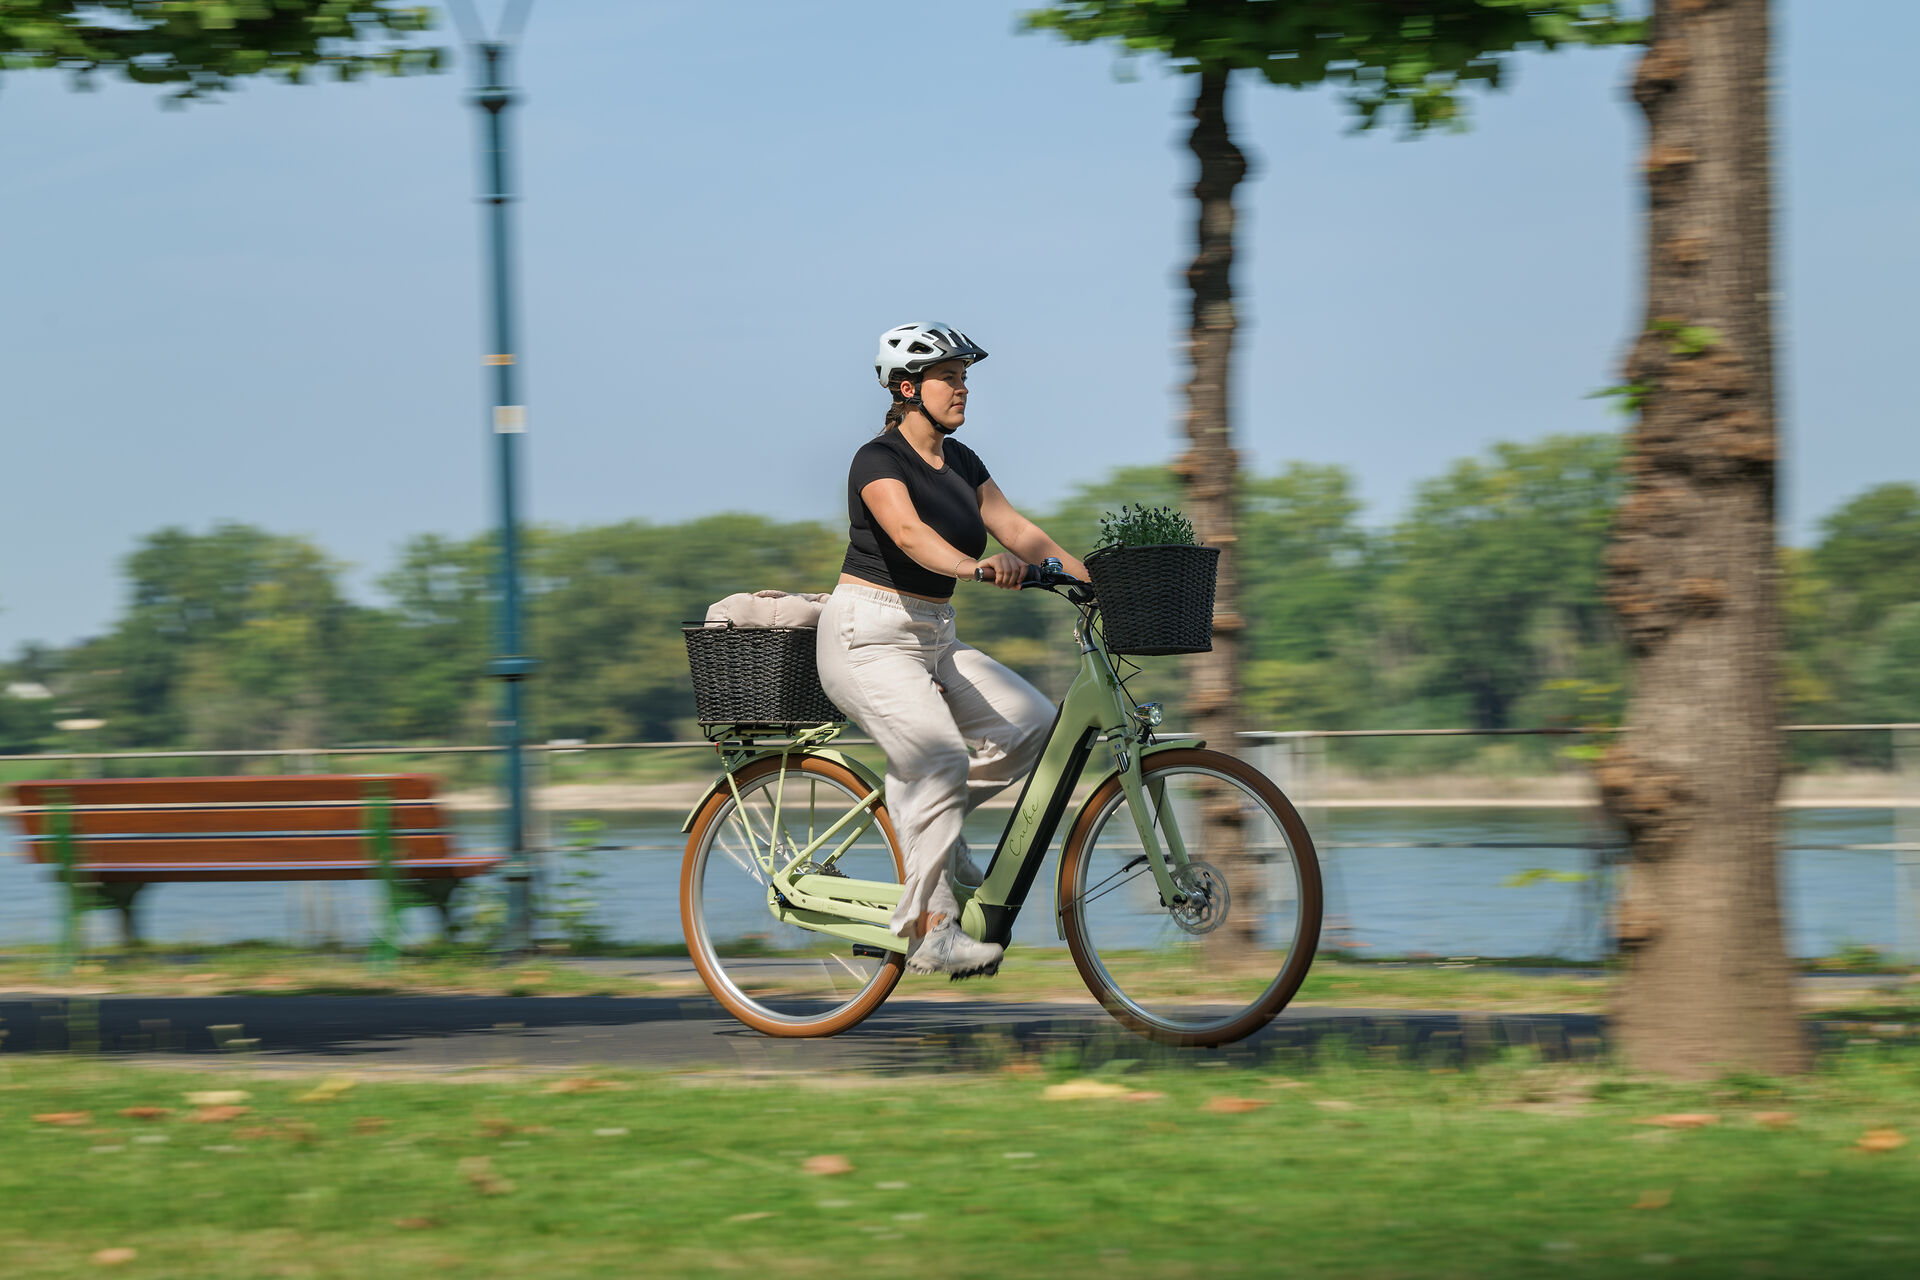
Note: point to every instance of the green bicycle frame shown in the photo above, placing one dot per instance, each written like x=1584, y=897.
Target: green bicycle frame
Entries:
x=1095, y=710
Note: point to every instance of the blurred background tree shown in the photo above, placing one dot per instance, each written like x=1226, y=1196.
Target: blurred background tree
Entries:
x=1494, y=570
x=201, y=47
x=1499, y=564
x=1404, y=57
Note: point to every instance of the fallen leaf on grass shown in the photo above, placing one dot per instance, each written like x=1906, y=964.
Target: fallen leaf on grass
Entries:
x=1774, y=1119
x=218, y=1097
x=64, y=1117
x=827, y=1166
x=1334, y=1104
x=1023, y=1067
x=1143, y=1095
x=1681, y=1120
x=1232, y=1106
x=327, y=1090
x=580, y=1084
x=1654, y=1199
x=146, y=1113
x=479, y=1171
x=114, y=1257
x=416, y=1224
x=1278, y=1083
x=1073, y=1090
x=369, y=1124
x=751, y=1217
x=254, y=1132
x=218, y=1115
x=1881, y=1140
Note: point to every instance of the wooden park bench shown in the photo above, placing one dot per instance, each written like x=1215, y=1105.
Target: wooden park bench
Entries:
x=111, y=837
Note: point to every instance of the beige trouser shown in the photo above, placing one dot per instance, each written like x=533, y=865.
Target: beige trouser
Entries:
x=957, y=726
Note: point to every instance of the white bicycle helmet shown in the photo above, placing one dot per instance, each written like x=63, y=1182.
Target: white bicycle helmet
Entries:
x=907, y=349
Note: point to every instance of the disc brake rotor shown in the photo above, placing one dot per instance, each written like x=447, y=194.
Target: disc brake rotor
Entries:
x=1207, y=899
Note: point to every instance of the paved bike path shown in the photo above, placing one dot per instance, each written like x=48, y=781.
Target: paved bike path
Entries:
x=447, y=1034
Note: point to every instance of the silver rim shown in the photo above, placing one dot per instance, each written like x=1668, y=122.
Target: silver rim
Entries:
x=1136, y=945
x=786, y=974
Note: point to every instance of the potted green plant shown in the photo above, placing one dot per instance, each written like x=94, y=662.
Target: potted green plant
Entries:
x=1154, y=582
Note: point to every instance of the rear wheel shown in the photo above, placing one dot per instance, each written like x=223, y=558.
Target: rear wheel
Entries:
x=776, y=977
x=1220, y=964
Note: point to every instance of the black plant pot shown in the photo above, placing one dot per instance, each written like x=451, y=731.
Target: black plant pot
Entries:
x=1158, y=599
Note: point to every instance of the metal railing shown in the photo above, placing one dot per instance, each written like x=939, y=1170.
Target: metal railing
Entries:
x=1296, y=759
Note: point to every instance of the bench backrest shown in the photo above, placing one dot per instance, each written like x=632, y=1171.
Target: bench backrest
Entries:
x=250, y=826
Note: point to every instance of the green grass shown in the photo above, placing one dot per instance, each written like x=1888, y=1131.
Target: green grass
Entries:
x=1344, y=1171
x=1029, y=974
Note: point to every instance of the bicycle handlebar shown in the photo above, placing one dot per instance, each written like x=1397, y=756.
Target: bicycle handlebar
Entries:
x=1049, y=573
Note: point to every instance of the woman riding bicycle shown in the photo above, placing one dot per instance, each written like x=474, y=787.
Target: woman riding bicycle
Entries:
x=957, y=727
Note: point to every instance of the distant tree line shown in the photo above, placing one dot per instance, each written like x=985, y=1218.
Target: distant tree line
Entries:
x=1481, y=607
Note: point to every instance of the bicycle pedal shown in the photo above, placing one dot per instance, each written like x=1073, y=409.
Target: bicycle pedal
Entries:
x=988, y=972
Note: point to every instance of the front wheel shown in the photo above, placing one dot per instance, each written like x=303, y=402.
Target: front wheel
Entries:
x=1218, y=964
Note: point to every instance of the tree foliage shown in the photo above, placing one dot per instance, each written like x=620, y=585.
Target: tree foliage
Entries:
x=1481, y=605
x=1404, y=57
x=202, y=47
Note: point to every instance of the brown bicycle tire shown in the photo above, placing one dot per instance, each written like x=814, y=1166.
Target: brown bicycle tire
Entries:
x=891, y=969
x=1275, y=998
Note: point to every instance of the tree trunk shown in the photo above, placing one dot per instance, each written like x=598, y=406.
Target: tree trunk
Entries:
x=1208, y=470
x=1691, y=572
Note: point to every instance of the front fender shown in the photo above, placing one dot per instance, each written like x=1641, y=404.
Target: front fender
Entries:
x=859, y=770
x=1060, y=871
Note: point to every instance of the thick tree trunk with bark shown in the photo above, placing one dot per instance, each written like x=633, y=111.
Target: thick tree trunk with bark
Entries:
x=1691, y=571
x=1209, y=465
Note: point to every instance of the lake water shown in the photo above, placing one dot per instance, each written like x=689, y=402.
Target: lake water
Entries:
x=1382, y=893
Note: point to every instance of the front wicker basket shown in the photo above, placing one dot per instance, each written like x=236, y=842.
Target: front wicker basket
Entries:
x=1156, y=600
x=756, y=675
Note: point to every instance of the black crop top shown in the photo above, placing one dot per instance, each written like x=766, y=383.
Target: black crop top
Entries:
x=947, y=501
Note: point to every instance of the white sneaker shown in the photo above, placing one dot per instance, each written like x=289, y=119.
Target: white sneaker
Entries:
x=947, y=949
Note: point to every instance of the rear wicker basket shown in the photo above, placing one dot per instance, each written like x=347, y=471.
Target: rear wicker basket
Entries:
x=756, y=675
x=1156, y=600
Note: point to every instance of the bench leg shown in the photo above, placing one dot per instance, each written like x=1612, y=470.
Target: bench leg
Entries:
x=121, y=893
x=438, y=894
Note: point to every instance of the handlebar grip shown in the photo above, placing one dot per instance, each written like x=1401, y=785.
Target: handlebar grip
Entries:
x=1030, y=578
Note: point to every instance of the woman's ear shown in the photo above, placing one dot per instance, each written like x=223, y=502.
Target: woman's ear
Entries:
x=907, y=390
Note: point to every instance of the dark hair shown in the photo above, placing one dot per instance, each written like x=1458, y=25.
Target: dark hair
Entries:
x=897, y=411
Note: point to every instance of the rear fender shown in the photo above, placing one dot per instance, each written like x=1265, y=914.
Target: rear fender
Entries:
x=1060, y=871
x=853, y=766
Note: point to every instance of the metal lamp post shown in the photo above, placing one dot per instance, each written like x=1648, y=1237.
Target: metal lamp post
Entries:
x=509, y=417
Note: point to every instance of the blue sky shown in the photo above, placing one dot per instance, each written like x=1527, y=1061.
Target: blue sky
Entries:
x=268, y=309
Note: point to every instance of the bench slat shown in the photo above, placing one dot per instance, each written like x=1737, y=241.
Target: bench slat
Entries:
x=289, y=788
x=92, y=823
x=432, y=869
x=318, y=849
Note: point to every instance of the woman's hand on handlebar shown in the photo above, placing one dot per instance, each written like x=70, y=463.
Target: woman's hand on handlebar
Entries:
x=1005, y=570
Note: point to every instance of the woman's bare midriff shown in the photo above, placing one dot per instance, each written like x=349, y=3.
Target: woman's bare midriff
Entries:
x=848, y=580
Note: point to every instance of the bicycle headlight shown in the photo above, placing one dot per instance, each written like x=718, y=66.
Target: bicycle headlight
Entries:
x=1150, y=714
